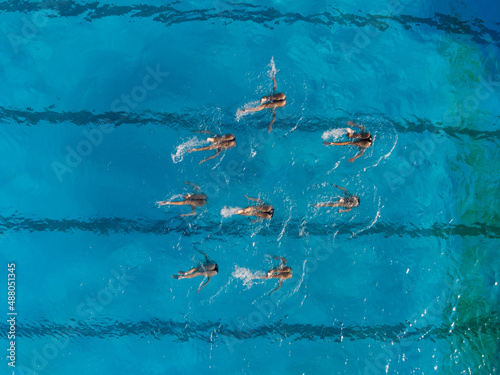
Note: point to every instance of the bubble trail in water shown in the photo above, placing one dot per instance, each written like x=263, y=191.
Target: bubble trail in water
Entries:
x=241, y=111
x=246, y=275
x=273, y=70
x=229, y=211
x=182, y=148
x=334, y=133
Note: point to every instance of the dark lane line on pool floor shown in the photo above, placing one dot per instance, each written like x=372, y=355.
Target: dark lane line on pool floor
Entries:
x=187, y=122
x=216, y=331
x=268, y=17
x=105, y=226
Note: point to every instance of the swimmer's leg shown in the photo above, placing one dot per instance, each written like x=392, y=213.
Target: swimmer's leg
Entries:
x=213, y=156
x=279, y=286
x=275, y=85
x=338, y=143
x=190, y=272
x=249, y=211
x=206, y=148
x=270, y=127
x=163, y=203
x=334, y=204
x=187, y=276
x=256, y=109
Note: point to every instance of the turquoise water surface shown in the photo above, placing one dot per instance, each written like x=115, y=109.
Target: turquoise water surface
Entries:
x=100, y=102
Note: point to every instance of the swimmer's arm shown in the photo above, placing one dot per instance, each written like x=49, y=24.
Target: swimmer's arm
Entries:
x=193, y=208
x=352, y=123
x=270, y=127
x=341, y=188
x=255, y=199
x=213, y=156
x=198, y=291
x=283, y=260
x=357, y=156
x=279, y=286
x=346, y=210
x=195, y=187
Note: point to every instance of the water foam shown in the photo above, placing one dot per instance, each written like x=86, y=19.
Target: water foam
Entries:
x=246, y=275
x=334, y=133
x=272, y=66
x=229, y=211
x=241, y=111
x=184, y=147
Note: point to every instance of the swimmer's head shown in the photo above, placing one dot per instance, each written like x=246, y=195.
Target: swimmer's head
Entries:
x=358, y=200
x=349, y=131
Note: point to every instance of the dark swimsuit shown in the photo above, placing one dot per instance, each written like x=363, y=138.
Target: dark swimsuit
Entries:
x=271, y=213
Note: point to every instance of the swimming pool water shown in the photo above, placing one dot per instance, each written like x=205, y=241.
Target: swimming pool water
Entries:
x=100, y=102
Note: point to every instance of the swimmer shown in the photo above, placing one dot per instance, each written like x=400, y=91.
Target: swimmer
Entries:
x=363, y=140
x=262, y=211
x=349, y=201
x=217, y=143
x=207, y=269
x=193, y=200
x=273, y=101
x=283, y=272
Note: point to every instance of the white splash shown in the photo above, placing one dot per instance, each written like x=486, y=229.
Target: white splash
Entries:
x=272, y=66
x=229, y=211
x=182, y=148
x=246, y=275
x=334, y=133
x=172, y=198
x=241, y=111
